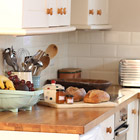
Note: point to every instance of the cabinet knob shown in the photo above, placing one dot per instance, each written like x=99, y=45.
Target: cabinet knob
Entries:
x=60, y=11
x=99, y=12
x=64, y=11
x=109, y=130
x=134, y=111
x=49, y=11
x=91, y=12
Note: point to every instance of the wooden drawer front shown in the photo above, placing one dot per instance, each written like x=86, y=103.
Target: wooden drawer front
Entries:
x=107, y=127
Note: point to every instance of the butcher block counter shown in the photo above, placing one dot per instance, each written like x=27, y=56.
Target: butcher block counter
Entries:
x=69, y=121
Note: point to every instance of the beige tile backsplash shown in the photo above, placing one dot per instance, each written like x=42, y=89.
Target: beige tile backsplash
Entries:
x=106, y=49
x=96, y=52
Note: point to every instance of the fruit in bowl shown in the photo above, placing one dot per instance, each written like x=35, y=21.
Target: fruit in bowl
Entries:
x=17, y=94
x=6, y=83
x=21, y=84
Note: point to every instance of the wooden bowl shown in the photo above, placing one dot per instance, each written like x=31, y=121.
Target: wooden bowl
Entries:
x=87, y=84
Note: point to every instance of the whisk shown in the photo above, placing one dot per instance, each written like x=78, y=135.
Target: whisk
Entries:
x=21, y=54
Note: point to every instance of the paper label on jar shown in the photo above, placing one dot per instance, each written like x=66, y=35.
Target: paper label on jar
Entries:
x=61, y=98
x=70, y=101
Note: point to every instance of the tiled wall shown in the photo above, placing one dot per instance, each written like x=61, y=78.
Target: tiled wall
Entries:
x=33, y=44
x=98, y=52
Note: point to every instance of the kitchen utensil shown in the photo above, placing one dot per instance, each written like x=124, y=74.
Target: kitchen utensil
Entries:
x=52, y=50
x=35, y=60
x=21, y=54
x=45, y=59
x=37, y=66
x=10, y=56
x=38, y=55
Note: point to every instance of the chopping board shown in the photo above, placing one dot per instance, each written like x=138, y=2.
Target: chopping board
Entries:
x=78, y=104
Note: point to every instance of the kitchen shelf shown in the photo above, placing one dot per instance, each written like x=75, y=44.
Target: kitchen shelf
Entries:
x=35, y=31
x=94, y=27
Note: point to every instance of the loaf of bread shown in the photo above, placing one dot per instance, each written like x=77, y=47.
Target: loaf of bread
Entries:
x=96, y=96
x=78, y=93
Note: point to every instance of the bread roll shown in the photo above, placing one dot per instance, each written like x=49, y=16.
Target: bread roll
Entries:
x=76, y=92
x=96, y=96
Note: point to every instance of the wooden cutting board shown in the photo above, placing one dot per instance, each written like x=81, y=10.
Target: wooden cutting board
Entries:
x=78, y=104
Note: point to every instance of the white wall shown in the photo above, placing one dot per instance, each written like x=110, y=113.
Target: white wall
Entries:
x=125, y=15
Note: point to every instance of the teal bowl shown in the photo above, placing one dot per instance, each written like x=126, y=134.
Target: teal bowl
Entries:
x=13, y=100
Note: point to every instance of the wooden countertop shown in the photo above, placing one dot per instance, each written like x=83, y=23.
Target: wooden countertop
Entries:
x=52, y=120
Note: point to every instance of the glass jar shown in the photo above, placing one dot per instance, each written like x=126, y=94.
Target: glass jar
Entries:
x=60, y=96
x=69, y=99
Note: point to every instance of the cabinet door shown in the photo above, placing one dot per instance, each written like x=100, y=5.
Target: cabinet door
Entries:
x=64, y=10
x=91, y=13
x=104, y=131
x=102, y=12
x=51, y=11
x=132, y=133
x=107, y=127
x=34, y=14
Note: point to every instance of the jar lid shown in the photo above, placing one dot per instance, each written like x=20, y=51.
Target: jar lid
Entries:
x=69, y=70
x=60, y=89
x=68, y=95
x=53, y=87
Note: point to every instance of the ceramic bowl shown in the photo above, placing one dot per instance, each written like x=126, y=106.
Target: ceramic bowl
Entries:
x=13, y=100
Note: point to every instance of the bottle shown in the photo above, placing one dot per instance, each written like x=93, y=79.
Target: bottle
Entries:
x=60, y=96
x=69, y=99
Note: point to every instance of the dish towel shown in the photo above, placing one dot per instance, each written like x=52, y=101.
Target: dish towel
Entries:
x=94, y=134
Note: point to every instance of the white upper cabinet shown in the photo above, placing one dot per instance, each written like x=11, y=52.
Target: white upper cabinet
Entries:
x=22, y=14
x=51, y=12
x=58, y=12
x=34, y=14
x=90, y=14
x=64, y=12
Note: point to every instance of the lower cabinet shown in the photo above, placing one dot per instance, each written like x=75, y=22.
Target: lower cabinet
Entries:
x=107, y=127
x=133, y=109
x=104, y=131
x=16, y=135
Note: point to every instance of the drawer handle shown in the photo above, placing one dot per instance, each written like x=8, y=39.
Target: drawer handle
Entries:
x=109, y=130
x=91, y=12
x=49, y=11
x=60, y=11
x=64, y=11
x=134, y=111
x=99, y=12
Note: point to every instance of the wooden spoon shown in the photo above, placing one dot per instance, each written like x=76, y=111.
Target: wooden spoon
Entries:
x=52, y=50
x=45, y=59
